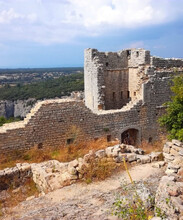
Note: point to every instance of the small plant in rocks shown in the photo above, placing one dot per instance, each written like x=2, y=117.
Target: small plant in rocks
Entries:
x=135, y=201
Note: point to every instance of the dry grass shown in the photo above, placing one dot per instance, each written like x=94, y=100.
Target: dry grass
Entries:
x=99, y=169
x=62, y=154
x=15, y=196
x=156, y=146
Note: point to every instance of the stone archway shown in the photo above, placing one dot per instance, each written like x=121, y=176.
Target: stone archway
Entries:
x=130, y=136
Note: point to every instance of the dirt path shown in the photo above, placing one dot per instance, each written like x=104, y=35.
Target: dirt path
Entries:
x=82, y=201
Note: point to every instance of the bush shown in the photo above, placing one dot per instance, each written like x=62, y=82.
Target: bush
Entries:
x=173, y=119
x=3, y=120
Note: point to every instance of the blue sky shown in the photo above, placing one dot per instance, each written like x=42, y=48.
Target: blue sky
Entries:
x=54, y=33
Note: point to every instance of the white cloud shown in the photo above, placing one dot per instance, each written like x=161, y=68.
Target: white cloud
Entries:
x=6, y=16
x=50, y=21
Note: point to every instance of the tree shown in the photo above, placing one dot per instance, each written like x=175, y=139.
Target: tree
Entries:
x=173, y=118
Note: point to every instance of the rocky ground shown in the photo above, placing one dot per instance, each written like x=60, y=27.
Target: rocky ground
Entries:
x=82, y=201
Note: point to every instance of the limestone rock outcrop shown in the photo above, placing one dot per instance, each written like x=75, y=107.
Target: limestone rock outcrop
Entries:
x=18, y=108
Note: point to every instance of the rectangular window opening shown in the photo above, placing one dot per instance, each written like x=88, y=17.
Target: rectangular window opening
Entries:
x=121, y=94
x=109, y=137
x=70, y=141
x=134, y=93
x=128, y=94
x=113, y=95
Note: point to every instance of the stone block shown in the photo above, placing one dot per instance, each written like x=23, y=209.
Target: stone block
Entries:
x=181, y=153
x=131, y=157
x=109, y=151
x=177, y=203
x=174, y=152
x=72, y=170
x=170, y=172
x=159, y=164
x=168, y=157
x=166, y=149
x=177, y=148
x=174, y=190
x=145, y=159
x=155, y=156
x=101, y=154
x=177, y=143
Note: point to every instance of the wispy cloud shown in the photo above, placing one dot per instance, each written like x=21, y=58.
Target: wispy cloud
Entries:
x=53, y=21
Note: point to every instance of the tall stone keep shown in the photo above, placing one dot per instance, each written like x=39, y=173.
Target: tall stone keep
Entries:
x=112, y=79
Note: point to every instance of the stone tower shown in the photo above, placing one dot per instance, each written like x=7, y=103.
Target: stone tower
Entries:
x=113, y=79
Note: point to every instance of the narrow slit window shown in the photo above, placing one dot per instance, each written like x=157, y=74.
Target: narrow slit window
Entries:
x=113, y=95
x=134, y=93
x=107, y=64
x=128, y=94
x=108, y=138
x=121, y=94
x=128, y=53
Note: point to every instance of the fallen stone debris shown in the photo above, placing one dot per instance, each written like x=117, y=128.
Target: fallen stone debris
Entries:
x=169, y=196
x=51, y=175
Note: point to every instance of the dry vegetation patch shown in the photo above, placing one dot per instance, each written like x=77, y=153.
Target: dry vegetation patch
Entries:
x=12, y=197
x=155, y=146
x=63, y=153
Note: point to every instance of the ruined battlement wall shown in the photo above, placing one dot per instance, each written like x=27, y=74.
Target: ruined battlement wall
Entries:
x=57, y=122
x=54, y=123
x=107, y=84
x=166, y=63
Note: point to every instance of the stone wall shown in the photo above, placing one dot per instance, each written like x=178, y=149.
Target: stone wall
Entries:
x=116, y=89
x=112, y=79
x=15, y=177
x=124, y=81
x=169, y=195
x=51, y=175
x=166, y=63
x=108, y=82
x=51, y=122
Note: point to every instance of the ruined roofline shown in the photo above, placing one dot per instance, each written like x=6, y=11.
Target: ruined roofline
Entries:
x=116, y=52
x=134, y=49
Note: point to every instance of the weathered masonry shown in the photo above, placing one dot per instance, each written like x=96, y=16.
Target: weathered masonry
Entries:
x=124, y=93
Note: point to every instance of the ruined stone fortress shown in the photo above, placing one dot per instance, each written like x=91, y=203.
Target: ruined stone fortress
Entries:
x=124, y=94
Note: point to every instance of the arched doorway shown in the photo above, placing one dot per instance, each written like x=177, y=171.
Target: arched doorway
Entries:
x=130, y=137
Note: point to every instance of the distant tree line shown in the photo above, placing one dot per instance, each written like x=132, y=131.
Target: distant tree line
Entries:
x=51, y=88
x=66, y=70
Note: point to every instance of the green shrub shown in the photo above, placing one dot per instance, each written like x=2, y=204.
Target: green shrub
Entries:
x=173, y=119
x=3, y=120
